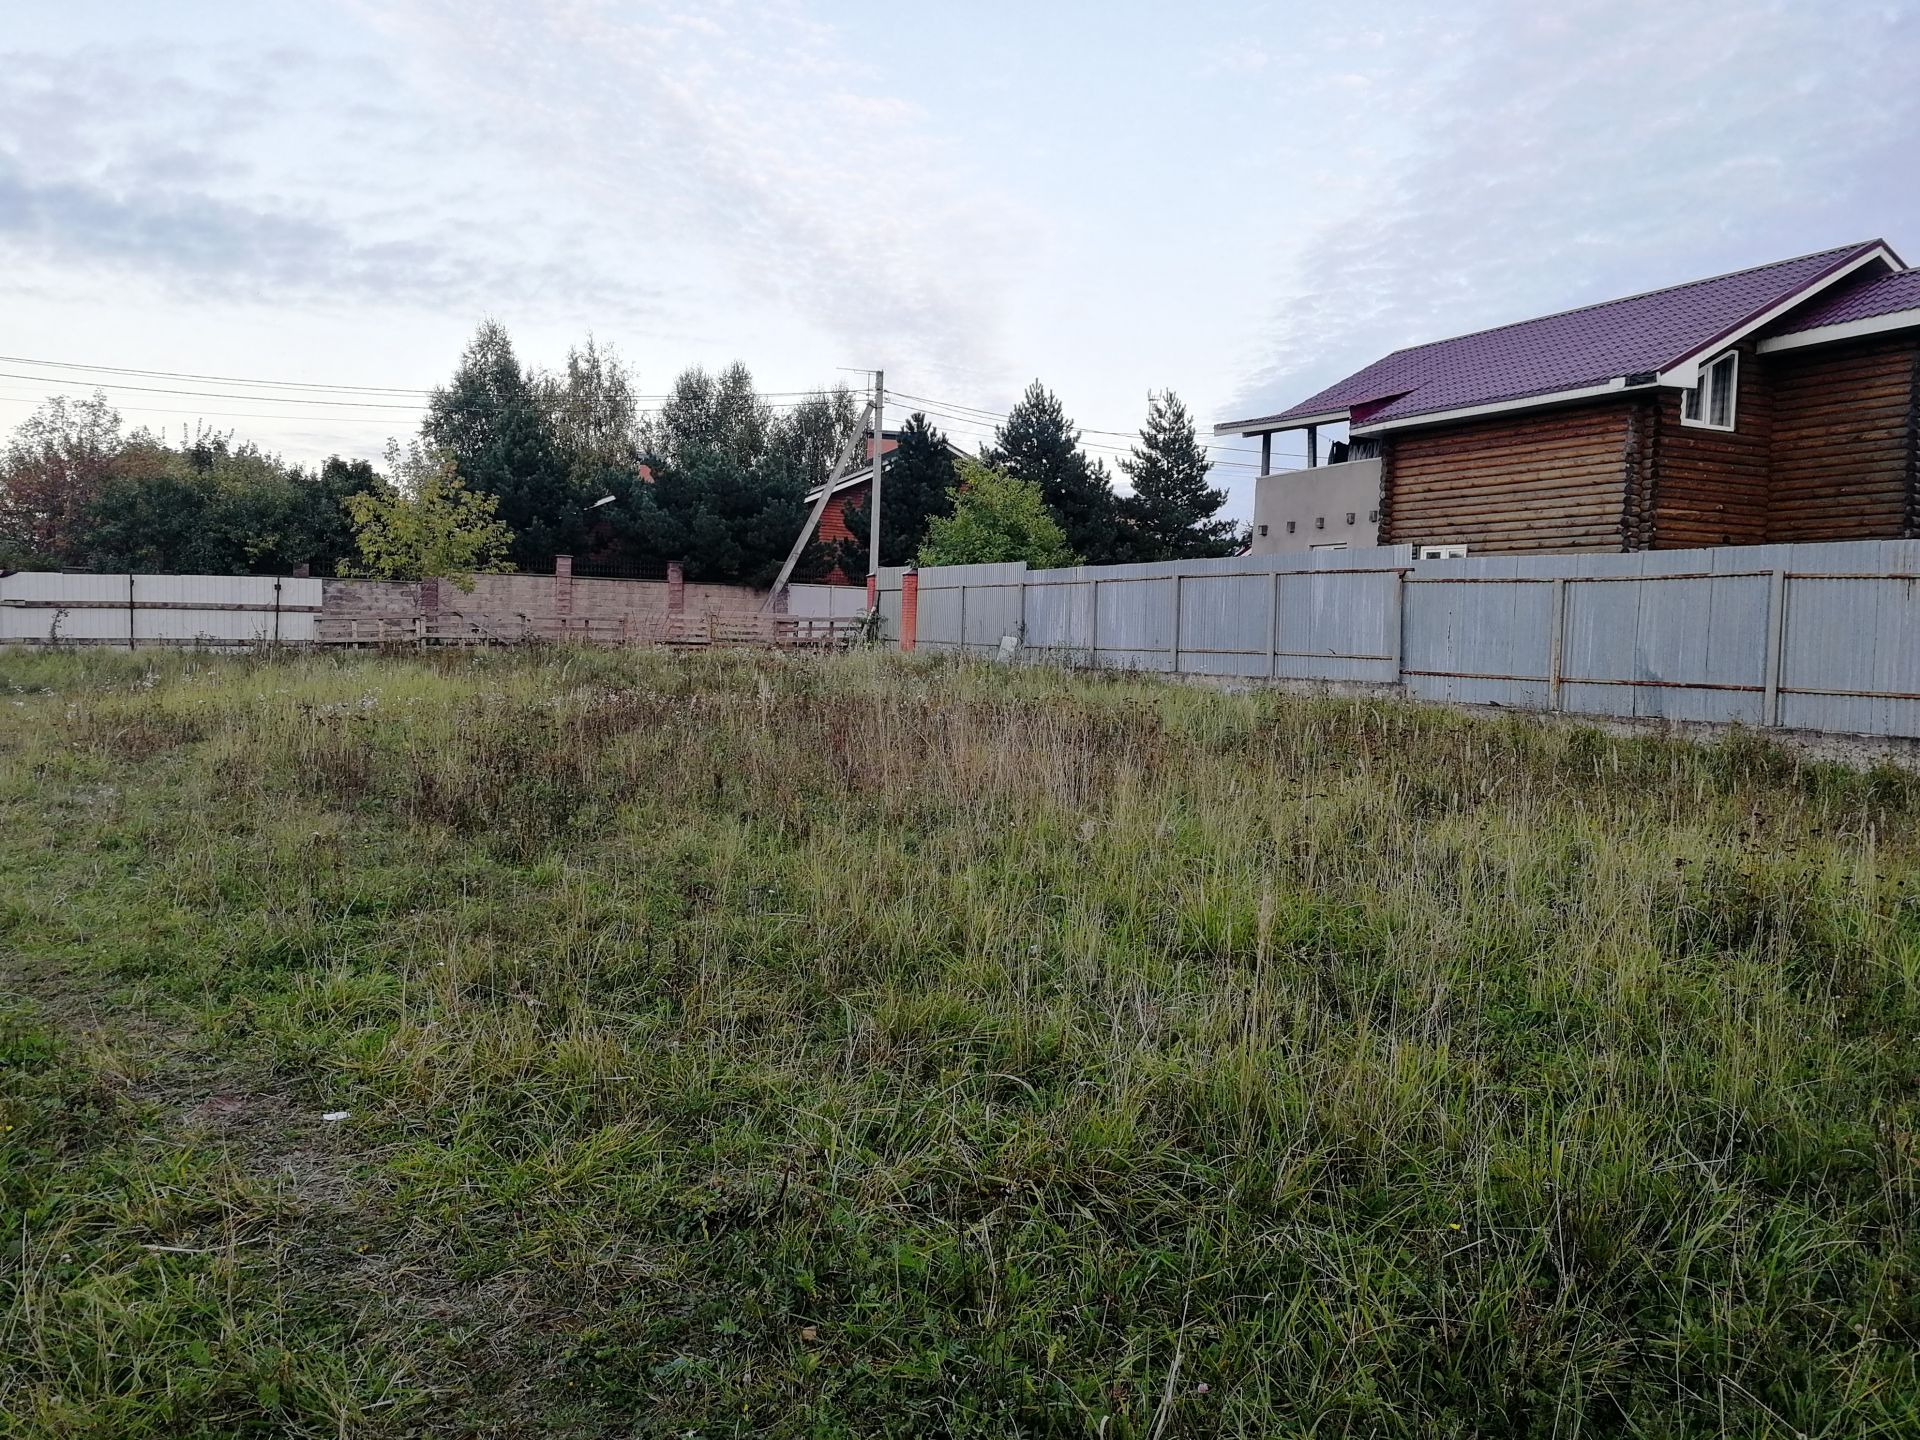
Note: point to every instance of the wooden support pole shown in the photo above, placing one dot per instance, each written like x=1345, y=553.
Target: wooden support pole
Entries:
x=1273, y=626
x=1266, y=452
x=1400, y=629
x=1313, y=446
x=1556, y=642
x=1776, y=646
x=1173, y=645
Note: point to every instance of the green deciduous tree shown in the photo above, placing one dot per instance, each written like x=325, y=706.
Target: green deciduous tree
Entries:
x=711, y=414
x=497, y=423
x=807, y=439
x=212, y=506
x=915, y=486
x=424, y=524
x=1038, y=443
x=996, y=518
x=1171, y=510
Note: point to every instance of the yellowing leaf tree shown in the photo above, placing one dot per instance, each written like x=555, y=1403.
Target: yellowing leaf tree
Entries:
x=424, y=524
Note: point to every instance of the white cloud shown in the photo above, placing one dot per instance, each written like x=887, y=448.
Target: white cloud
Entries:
x=1596, y=149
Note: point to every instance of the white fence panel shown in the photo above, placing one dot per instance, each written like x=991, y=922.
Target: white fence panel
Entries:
x=47, y=607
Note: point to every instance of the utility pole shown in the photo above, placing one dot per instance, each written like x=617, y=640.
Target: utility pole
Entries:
x=807, y=531
x=873, y=517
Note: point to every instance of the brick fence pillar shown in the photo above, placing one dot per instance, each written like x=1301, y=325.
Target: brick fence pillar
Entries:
x=676, y=588
x=909, y=609
x=563, y=590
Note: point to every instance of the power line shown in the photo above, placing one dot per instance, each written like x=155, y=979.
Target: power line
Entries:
x=281, y=384
x=211, y=394
x=950, y=406
x=953, y=412
x=416, y=409
x=984, y=428
x=225, y=379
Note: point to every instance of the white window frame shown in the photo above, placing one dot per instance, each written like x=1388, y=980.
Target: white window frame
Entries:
x=1440, y=552
x=1696, y=404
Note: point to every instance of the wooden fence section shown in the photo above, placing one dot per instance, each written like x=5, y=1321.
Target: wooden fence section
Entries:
x=678, y=629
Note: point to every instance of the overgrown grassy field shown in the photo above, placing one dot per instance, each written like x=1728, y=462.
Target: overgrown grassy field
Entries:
x=744, y=1045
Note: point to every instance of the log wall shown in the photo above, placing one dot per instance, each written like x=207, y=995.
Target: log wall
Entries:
x=1843, y=451
x=1556, y=480
x=1826, y=446
x=1710, y=486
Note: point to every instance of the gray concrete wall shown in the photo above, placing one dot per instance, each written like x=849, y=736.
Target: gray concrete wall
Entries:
x=1317, y=502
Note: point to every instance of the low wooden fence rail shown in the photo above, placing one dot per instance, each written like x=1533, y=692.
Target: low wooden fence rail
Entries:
x=698, y=631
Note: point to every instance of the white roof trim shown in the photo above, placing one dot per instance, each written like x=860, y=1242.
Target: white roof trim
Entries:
x=1261, y=427
x=857, y=477
x=1685, y=371
x=1844, y=330
x=1498, y=407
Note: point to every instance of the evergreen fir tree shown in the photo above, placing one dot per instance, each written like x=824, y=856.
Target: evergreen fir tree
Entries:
x=915, y=486
x=1171, y=510
x=729, y=482
x=497, y=423
x=1039, y=444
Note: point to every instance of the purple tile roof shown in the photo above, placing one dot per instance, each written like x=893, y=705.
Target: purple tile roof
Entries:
x=1881, y=295
x=1568, y=351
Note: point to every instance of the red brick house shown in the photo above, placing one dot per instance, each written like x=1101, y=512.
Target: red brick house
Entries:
x=1780, y=403
x=852, y=490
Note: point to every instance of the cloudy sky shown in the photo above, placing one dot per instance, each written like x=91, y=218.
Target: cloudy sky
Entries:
x=1240, y=202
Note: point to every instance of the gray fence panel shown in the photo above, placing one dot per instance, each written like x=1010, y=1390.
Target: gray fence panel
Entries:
x=1831, y=626
x=938, y=619
x=1682, y=635
x=1059, y=620
x=1343, y=626
x=992, y=611
x=1135, y=622
x=1600, y=643
x=1707, y=639
x=1224, y=624
x=1479, y=638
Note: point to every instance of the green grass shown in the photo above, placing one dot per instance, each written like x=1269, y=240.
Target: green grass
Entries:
x=740, y=1045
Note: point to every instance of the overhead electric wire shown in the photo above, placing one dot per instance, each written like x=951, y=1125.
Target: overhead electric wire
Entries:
x=1085, y=429
x=953, y=413
x=984, y=428
x=225, y=379
x=282, y=384
x=947, y=407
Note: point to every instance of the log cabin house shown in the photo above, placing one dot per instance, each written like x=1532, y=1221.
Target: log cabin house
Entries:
x=1780, y=403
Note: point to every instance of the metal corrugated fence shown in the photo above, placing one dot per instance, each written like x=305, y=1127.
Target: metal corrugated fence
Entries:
x=1815, y=636
x=41, y=607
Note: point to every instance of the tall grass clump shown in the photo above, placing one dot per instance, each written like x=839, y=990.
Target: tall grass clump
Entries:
x=751, y=1044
